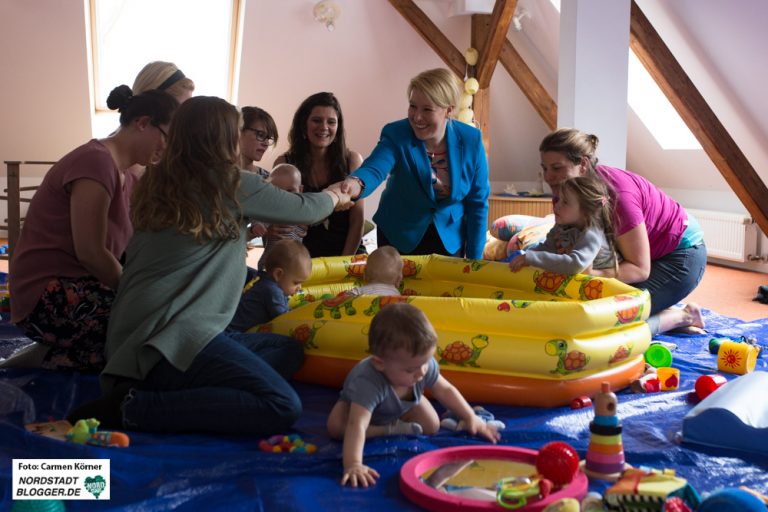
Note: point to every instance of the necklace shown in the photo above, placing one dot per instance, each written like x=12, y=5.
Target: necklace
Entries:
x=435, y=155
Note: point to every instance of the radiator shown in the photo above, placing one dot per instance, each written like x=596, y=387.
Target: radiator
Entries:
x=729, y=236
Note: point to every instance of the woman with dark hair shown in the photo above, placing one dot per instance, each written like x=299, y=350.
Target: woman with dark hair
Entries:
x=318, y=148
x=257, y=134
x=66, y=265
x=661, y=244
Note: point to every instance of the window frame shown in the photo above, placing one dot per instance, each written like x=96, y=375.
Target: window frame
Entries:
x=236, y=35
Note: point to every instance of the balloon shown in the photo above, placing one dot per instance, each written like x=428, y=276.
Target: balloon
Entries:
x=466, y=115
x=471, y=86
x=471, y=56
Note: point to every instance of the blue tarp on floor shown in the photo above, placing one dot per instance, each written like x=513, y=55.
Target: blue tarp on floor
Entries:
x=202, y=473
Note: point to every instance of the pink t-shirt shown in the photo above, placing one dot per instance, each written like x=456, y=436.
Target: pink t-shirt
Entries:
x=638, y=200
x=46, y=248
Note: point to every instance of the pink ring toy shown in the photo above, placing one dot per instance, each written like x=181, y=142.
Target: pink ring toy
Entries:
x=432, y=499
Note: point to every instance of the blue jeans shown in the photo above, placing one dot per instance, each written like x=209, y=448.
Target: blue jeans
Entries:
x=674, y=276
x=236, y=385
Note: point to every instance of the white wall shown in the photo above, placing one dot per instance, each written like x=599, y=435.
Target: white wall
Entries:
x=44, y=105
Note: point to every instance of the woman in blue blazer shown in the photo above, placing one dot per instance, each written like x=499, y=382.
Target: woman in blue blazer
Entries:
x=436, y=197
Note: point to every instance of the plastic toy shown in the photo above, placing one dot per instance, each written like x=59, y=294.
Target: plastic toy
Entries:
x=557, y=461
x=449, y=420
x=605, y=453
x=714, y=343
x=676, y=504
x=669, y=378
x=291, y=443
x=580, y=402
x=648, y=383
x=513, y=493
x=738, y=358
x=650, y=489
x=658, y=356
x=600, y=334
x=564, y=505
x=731, y=500
x=87, y=432
x=707, y=384
x=593, y=502
x=735, y=417
x=417, y=490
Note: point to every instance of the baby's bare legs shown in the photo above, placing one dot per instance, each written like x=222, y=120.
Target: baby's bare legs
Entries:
x=425, y=415
x=421, y=419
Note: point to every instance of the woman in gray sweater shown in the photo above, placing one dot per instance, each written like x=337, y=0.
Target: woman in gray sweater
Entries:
x=170, y=366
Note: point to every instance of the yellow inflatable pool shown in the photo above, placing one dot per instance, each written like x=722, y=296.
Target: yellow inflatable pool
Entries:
x=530, y=338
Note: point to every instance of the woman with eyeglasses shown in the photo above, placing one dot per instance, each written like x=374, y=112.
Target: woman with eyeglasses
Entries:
x=258, y=133
x=166, y=77
x=66, y=265
x=317, y=146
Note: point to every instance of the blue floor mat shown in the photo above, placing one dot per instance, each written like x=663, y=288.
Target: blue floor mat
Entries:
x=204, y=473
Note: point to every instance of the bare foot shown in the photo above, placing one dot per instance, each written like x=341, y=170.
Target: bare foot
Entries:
x=687, y=320
x=692, y=322
x=694, y=311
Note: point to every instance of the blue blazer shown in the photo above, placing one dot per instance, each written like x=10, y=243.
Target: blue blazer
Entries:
x=408, y=204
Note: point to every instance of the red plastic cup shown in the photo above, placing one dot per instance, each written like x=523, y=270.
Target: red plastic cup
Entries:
x=706, y=384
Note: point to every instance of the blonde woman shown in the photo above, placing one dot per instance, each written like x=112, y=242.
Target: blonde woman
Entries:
x=436, y=197
x=164, y=76
x=161, y=76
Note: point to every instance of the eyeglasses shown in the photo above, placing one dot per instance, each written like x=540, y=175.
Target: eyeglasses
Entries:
x=162, y=132
x=261, y=136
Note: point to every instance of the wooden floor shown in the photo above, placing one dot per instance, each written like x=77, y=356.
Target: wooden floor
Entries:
x=724, y=290
x=729, y=292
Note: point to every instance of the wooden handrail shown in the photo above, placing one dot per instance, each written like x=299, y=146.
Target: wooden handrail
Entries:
x=14, y=199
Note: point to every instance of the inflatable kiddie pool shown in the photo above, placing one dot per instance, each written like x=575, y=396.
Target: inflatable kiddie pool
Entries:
x=531, y=338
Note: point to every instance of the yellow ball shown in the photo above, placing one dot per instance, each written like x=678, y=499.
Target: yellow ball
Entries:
x=466, y=101
x=471, y=56
x=466, y=115
x=471, y=86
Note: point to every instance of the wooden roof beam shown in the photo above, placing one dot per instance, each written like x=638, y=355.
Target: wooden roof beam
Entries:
x=540, y=99
x=452, y=57
x=501, y=17
x=702, y=121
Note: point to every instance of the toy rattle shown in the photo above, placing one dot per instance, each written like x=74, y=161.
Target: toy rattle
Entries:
x=86, y=432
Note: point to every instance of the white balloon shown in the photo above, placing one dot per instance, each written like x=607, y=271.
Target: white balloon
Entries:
x=471, y=86
x=471, y=56
x=466, y=115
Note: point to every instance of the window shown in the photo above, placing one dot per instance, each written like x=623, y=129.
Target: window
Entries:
x=655, y=111
x=653, y=108
x=200, y=37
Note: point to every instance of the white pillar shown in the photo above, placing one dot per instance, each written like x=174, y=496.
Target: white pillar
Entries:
x=592, y=79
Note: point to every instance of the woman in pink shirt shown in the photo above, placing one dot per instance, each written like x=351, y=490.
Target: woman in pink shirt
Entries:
x=662, y=246
x=66, y=265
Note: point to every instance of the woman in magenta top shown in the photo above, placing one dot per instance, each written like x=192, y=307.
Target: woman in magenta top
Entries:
x=662, y=246
x=66, y=265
